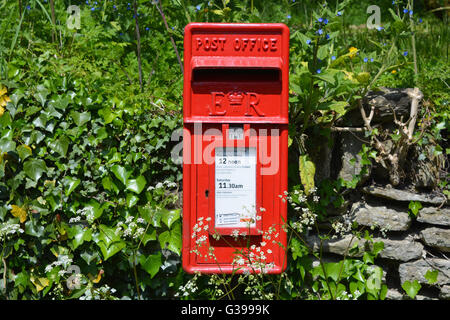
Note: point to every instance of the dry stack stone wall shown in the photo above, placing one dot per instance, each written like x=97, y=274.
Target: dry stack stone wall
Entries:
x=413, y=244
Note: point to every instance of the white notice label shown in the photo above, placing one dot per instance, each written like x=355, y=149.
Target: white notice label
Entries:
x=235, y=196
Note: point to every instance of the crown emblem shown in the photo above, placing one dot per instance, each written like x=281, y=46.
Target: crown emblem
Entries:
x=236, y=98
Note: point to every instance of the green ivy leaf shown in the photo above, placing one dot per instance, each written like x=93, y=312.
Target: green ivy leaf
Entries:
x=377, y=247
x=24, y=151
x=170, y=216
x=34, y=168
x=80, y=118
x=32, y=229
x=431, y=276
x=95, y=208
x=7, y=145
x=121, y=173
x=61, y=145
x=136, y=185
x=89, y=256
x=108, y=184
x=40, y=121
x=151, y=264
x=332, y=269
x=41, y=94
x=411, y=288
x=107, y=114
x=171, y=239
x=131, y=200
x=71, y=184
x=149, y=236
x=79, y=234
x=414, y=206
x=108, y=242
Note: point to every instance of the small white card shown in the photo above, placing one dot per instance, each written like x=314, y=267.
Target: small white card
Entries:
x=235, y=185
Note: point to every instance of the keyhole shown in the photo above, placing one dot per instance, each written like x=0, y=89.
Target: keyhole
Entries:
x=206, y=193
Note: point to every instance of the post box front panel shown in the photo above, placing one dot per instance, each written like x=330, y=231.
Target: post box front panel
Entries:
x=236, y=73
x=235, y=112
x=219, y=246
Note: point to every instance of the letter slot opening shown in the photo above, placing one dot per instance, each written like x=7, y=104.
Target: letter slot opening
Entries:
x=258, y=75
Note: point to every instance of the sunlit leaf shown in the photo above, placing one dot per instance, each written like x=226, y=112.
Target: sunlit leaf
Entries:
x=307, y=172
x=19, y=212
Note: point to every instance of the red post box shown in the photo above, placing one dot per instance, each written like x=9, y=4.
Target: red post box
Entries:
x=235, y=141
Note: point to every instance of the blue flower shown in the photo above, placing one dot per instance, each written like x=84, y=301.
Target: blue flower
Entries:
x=319, y=71
x=93, y=9
x=380, y=28
x=320, y=31
x=410, y=12
x=87, y=2
x=371, y=59
x=325, y=21
x=405, y=10
x=288, y=16
x=333, y=58
x=339, y=13
x=393, y=1
x=365, y=59
x=327, y=36
x=320, y=19
x=308, y=41
x=420, y=20
x=405, y=53
x=147, y=28
x=28, y=8
x=198, y=7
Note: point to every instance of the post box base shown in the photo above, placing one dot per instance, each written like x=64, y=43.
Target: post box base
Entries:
x=228, y=269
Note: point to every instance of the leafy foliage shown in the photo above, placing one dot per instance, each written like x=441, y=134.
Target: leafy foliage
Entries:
x=89, y=202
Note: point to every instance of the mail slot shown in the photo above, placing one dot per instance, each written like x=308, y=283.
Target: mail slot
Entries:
x=235, y=114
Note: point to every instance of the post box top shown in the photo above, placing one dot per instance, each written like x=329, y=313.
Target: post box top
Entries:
x=236, y=27
x=236, y=72
x=237, y=39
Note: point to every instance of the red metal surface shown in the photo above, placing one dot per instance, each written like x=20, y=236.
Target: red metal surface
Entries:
x=235, y=74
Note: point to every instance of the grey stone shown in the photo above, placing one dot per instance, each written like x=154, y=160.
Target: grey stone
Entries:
x=339, y=246
x=421, y=297
x=404, y=195
x=385, y=218
x=350, y=147
x=321, y=155
x=445, y=293
x=416, y=270
x=433, y=215
x=436, y=238
x=400, y=250
x=386, y=101
x=394, y=294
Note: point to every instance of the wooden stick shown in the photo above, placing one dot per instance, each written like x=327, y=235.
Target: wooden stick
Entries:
x=138, y=37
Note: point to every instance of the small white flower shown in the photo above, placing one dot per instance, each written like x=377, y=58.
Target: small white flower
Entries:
x=140, y=220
